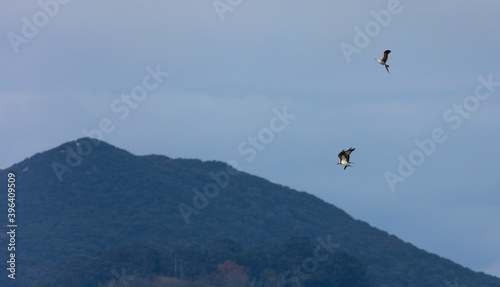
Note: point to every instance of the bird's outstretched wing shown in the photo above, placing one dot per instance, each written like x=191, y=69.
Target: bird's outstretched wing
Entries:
x=387, y=68
x=386, y=55
x=348, y=153
x=342, y=155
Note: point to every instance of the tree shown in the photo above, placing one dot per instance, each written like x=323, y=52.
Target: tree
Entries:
x=231, y=275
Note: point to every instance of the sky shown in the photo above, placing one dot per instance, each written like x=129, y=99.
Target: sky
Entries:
x=279, y=89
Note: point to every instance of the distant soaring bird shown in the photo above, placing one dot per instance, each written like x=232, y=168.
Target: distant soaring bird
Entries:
x=344, y=157
x=384, y=60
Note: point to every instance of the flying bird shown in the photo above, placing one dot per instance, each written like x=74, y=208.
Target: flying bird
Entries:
x=344, y=157
x=384, y=60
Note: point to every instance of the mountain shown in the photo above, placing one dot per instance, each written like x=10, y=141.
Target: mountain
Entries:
x=86, y=196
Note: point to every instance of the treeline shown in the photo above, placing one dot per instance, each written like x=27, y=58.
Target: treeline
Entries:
x=297, y=262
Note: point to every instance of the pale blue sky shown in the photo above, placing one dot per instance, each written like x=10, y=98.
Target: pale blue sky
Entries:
x=65, y=67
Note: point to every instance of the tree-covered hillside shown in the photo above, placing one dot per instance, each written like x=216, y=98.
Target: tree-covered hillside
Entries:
x=226, y=262
x=87, y=196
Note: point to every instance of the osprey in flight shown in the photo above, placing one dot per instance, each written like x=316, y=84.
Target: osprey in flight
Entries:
x=384, y=60
x=344, y=157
